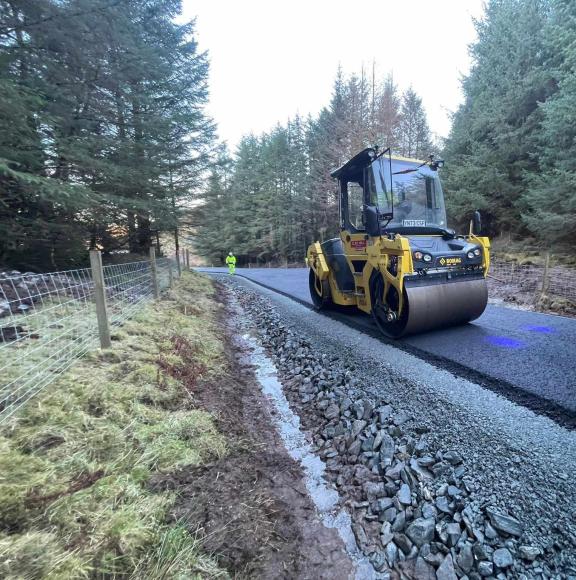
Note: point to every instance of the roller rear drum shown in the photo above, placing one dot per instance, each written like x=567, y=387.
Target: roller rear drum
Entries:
x=319, y=291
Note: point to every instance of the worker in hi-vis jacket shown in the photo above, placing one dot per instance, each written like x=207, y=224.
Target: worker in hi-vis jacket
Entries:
x=231, y=261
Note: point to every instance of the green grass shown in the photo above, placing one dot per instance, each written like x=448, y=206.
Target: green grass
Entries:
x=76, y=461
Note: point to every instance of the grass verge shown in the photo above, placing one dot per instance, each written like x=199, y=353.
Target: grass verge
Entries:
x=76, y=461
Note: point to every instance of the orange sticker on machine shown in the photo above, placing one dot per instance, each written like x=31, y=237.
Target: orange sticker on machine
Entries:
x=358, y=244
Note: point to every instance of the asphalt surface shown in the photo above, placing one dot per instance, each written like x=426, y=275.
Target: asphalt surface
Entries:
x=527, y=356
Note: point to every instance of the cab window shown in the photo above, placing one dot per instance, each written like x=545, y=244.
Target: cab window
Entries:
x=355, y=204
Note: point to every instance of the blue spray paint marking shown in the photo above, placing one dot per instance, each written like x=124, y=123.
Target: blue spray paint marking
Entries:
x=540, y=329
x=504, y=342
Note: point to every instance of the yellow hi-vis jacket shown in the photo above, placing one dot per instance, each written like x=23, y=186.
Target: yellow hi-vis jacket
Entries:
x=231, y=260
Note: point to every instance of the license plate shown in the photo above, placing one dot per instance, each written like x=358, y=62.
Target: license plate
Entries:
x=414, y=223
x=450, y=261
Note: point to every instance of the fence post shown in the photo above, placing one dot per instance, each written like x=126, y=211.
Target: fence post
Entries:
x=100, y=298
x=179, y=267
x=154, y=273
x=188, y=260
x=544, y=288
x=170, y=276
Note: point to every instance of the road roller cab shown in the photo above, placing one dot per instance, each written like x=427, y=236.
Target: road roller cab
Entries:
x=396, y=258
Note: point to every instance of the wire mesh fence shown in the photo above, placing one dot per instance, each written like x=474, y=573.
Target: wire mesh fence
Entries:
x=48, y=321
x=534, y=285
x=128, y=285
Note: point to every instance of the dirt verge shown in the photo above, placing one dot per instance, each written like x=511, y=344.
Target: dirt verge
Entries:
x=251, y=508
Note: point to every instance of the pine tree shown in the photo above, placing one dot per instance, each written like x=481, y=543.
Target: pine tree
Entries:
x=414, y=134
x=388, y=118
x=35, y=226
x=549, y=205
x=280, y=194
x=491, y=148
x=111, y=129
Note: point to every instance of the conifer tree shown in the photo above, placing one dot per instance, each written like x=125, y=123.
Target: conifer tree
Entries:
x=387, y=119
x=414, y=134
x=491, y=150
x=549, y=204
x=281, y=196
x=101, y=125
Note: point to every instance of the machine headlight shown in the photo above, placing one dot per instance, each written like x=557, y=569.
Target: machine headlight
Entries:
x=470, y=255
x=427, y=258
x=477, y=252
x=417, y=255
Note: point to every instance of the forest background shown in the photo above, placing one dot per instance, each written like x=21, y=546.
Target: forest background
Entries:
x=104, y=141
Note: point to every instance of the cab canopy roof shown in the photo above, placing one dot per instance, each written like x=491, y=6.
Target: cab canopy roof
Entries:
x=356, y=164
x=361, y=160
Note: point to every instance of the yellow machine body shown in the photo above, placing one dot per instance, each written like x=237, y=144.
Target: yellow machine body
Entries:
x=378, y=274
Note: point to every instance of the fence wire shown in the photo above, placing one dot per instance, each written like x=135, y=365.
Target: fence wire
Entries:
x=48, y=321
x=530, y=282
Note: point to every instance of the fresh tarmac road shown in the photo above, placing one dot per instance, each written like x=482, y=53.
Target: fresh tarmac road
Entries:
x=516, y=350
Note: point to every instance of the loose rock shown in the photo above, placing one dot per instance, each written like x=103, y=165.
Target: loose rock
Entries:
x=466, y=558
x=386, y=534
x=485, y=568
x=403, y=543
x=391, y=553
x=421, y=531
x=404, y=494
x=505, y=523
x=446, y=570
x=443, y=505
x=502, y=558
x=394, y=479
x=529, y=553
x=423, y=570
x=453, y=532
x=452, y=457
x=332, y=411
x=387, y=449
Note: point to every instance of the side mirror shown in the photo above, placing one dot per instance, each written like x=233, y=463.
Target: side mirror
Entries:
x=477, y=223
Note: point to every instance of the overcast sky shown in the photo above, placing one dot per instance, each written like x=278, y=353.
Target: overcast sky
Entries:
x=272, y=59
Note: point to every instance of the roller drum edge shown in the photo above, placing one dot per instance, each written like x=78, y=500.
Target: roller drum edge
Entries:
x=443, y=305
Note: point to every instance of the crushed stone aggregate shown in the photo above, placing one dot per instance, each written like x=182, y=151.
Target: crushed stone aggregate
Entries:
x=496, y=479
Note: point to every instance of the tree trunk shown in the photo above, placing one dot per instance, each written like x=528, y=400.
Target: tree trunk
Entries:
x=144, y=233
x=132, y=239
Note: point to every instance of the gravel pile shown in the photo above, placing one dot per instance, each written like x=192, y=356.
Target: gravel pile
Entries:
x=415, y=506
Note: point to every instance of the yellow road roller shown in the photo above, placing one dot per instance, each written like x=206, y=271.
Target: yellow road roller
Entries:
x=396, y=258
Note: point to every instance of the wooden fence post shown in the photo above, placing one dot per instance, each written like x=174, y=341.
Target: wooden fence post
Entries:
x=188, y=259
x=154, y=273
x=178, y=264
x=100, y=298
x=170, y=276
x=545, y=276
